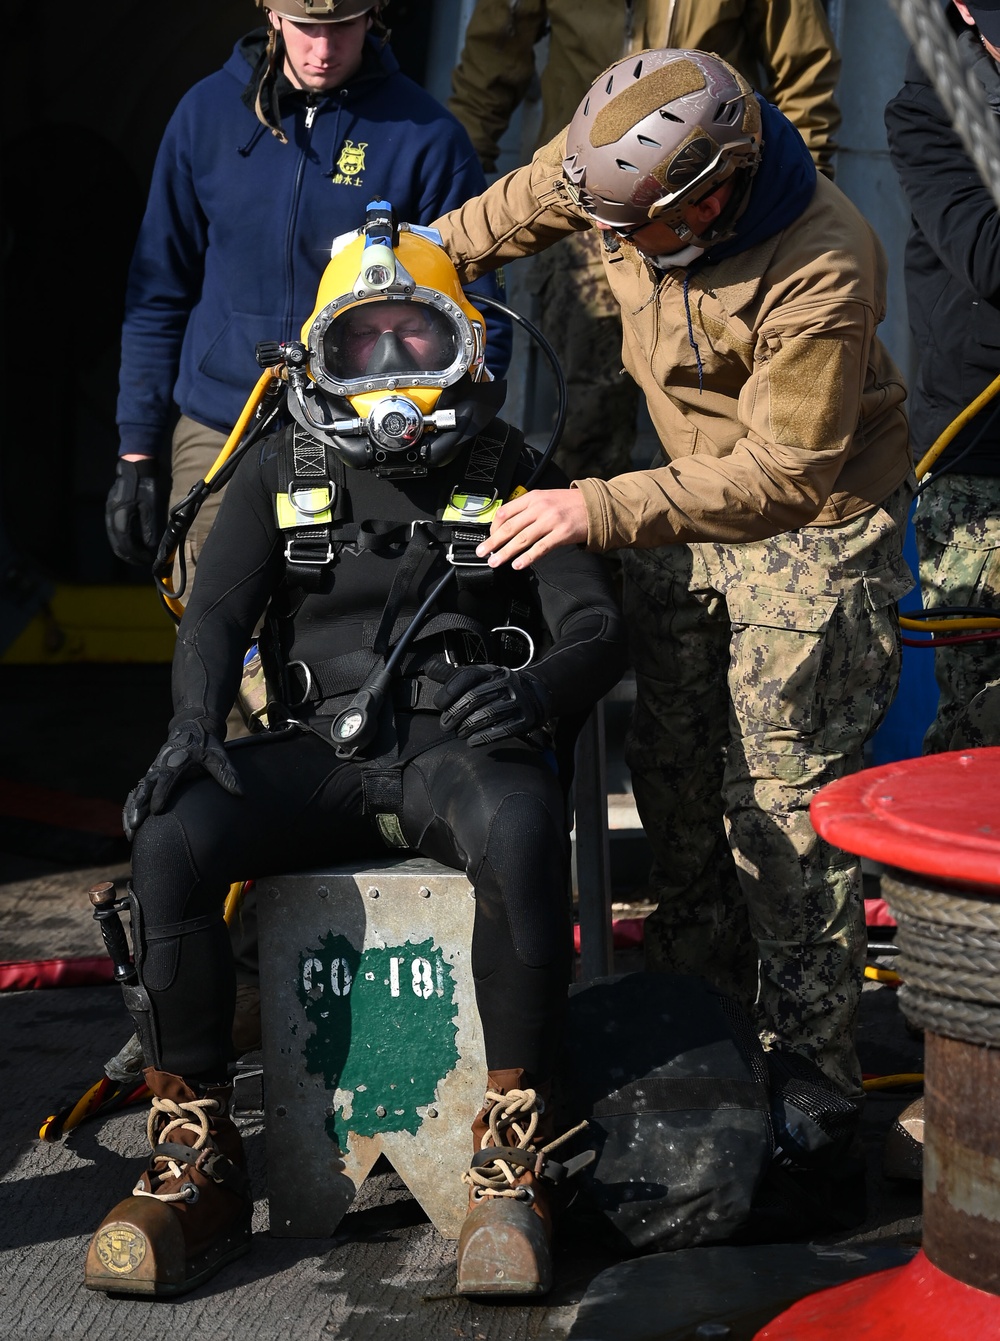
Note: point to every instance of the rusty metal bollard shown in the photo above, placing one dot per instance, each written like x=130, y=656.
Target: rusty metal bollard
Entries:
x=934, y=824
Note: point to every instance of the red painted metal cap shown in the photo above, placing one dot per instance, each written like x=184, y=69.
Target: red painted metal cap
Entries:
x=936, y=816
x=917, y=1302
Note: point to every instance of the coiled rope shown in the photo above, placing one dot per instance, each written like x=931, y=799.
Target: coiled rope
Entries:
x=949, y=960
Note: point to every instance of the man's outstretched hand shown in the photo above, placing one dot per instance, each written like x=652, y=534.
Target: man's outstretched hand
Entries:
x=190, y=749
x=533, y=524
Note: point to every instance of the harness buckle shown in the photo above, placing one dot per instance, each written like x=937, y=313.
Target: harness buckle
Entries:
x=463, y=555
x=309, y=551
x=461, y=550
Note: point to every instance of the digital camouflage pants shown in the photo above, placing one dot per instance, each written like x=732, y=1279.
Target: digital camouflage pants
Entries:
x=761, y=670
x=957, y=526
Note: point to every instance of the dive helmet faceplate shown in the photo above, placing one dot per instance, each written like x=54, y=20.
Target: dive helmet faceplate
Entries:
x=395, y=352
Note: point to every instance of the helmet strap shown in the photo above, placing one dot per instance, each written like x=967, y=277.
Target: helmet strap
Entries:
x=722, y=227
x=267, y=82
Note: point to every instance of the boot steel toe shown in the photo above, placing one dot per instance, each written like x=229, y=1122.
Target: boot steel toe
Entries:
x=190, y=1212
x=505, y=1243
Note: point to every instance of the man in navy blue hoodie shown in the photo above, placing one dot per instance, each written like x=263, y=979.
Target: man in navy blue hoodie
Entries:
x=259, y=169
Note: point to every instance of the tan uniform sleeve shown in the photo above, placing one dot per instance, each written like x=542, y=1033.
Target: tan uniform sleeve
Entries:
x=800, y=410
x=802, y=66
x=519, y=215
x=495, y=70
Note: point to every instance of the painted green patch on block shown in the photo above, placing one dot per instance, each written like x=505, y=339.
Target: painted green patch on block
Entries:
x=384, y=1031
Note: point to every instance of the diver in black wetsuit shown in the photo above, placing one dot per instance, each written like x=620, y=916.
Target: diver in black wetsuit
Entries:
x=419, y=701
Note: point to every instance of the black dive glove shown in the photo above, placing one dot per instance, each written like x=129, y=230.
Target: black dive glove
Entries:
x=190, y=749
x=132, y=512
x=486, y=703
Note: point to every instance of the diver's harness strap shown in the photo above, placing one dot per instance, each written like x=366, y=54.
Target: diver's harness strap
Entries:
x=388, y=670
x=322, y=682
x=312, y=486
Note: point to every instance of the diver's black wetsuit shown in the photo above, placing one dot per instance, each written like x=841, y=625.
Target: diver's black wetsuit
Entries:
x=498, y=812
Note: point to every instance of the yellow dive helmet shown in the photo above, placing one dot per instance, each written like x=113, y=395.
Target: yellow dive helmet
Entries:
x=395, y=352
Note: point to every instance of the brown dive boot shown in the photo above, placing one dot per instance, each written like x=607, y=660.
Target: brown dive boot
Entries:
x=505, y=1243
x=190, y=1212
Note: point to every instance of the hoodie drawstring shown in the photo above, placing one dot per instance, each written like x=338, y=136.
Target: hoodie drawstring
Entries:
x=691, y=340
x=247, y=149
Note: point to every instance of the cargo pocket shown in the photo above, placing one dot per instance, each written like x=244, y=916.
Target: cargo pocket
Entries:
x=777, y=652
x=873, y=677
x=888, y=585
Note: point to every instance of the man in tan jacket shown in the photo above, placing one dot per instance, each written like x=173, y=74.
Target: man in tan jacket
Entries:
x=763, y=561
x=783, y=47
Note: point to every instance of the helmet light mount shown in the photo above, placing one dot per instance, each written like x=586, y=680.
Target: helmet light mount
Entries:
x=379, y=273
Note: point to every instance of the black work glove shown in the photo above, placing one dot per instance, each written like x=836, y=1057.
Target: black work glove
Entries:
x=482, y=704
x=190, y=749
x=132, y=512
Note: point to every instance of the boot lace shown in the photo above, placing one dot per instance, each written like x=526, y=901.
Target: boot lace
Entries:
x=513, y=1121
x=191, y=1116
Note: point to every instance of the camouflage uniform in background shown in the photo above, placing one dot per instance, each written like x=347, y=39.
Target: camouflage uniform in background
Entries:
x=783, y=47
x=979, y=723
x=761, y=671
x=579, y=316
x=957, y=525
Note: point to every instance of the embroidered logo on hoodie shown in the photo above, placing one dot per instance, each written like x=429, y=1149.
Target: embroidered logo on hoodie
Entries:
x=350, y=164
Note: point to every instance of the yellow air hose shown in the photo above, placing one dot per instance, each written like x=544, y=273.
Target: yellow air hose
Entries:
x=955, y=427
x=165, y=584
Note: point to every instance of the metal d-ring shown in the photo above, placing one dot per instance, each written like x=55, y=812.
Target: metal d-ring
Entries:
x=514, y=628
x=311, y=512
x=468, y=512
x=307, y=691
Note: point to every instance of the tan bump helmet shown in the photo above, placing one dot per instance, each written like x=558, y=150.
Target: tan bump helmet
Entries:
x=658, y=131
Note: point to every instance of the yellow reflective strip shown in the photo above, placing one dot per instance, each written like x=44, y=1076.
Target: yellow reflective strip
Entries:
x=289, y=516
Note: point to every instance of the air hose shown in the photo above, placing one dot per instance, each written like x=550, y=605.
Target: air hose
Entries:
x=256, y=418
